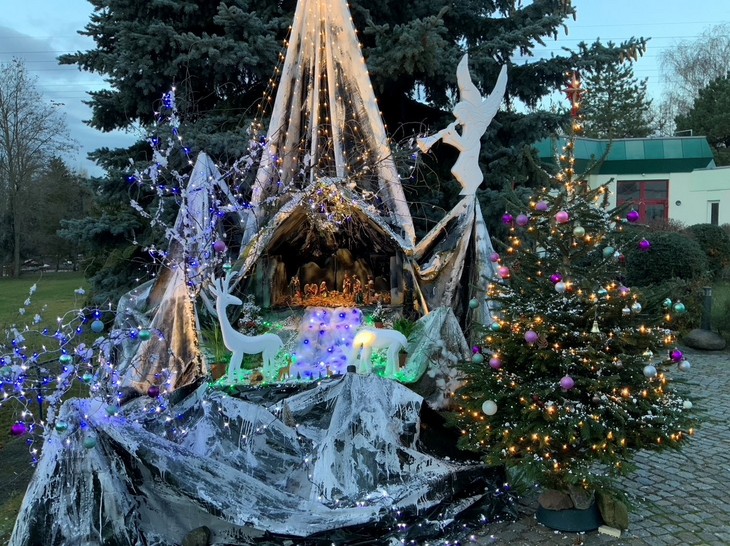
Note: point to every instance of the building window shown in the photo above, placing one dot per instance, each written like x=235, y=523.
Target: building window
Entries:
x=648, y=197
x=713, y=209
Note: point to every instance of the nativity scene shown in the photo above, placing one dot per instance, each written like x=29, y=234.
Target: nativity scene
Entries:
x=317, y=429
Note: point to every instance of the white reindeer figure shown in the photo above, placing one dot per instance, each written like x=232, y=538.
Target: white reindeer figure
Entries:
x=236, y=342
x=367, y=338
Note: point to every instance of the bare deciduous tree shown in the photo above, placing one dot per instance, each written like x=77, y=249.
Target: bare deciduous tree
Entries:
x=691, y=65
x=31, y=132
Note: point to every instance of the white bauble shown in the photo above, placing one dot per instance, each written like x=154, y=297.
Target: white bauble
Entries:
x=489, y=407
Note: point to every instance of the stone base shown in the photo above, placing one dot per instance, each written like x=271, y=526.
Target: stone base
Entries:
x=570, y=520
x=704, y=340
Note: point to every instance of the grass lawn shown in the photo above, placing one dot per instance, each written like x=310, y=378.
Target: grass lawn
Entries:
x=721, y=307
x=55, y=291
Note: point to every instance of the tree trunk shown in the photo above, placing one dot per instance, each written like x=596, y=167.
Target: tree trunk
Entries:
x=16, y=244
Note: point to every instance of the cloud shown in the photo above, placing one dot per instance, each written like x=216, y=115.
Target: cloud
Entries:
x=63, y=85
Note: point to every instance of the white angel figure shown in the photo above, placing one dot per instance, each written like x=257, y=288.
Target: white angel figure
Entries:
x=474, y=115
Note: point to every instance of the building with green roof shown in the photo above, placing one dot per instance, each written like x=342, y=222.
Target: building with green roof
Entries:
x=664, y=178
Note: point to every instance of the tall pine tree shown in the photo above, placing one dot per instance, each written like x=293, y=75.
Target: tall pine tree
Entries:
x=710, y=116
x=616, y=104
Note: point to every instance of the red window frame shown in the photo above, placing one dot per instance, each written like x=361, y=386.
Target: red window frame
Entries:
x=647, y=198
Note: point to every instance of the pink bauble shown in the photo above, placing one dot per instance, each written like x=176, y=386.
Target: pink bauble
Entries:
x=567, y=383
x=494, y=257
x=495, y=363
x=542, y=206
x=676, y=355
x=220, y=247
x=556, y=278
x=531, y=337
x=522, y=220
x=507, y=218
x=644, y=245
x=632, y=216
x=503, y=272
x=562, y=217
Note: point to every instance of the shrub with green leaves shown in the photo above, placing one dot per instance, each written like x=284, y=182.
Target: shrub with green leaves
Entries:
x=671, y=256
x=715, y=243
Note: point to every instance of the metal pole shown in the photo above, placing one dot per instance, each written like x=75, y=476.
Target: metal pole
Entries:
x=707, y=310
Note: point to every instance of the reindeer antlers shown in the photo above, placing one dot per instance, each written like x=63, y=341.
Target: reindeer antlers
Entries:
x=222, y=285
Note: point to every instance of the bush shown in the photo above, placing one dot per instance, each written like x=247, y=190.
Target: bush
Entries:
x=689, y=292
x=715, y=243
x=672, y=256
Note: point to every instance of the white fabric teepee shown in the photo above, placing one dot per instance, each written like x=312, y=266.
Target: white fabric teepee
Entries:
x=326, y=123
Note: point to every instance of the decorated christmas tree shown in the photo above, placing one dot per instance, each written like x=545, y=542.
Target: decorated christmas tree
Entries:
x=573, y=371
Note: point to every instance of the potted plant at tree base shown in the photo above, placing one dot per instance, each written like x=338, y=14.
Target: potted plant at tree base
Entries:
x=573, y=511
x=377, y=316
x=562, y=386
x=408, y=328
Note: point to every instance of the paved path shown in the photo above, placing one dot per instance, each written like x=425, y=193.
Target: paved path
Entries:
x=682, y=497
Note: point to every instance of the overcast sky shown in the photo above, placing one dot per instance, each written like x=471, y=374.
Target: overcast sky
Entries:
x=37, y=31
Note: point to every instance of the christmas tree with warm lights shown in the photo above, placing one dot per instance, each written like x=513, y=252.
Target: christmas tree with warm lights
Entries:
x=573, y=373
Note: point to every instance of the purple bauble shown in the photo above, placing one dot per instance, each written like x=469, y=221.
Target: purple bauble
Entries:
x=220, y=247
x=632, y=216
x=556, y=278
x=18, y=429
x=562, y=217
x=542, y=206
x=567, y=383
x=624, y=291
x=494, y=257
x=531, y=337
x=503, y=272
x=676, y=355
x=495, y=363
x=644, y=245
x=507, y=218
x=153, y=391
x=522, y=220
x=476, y=349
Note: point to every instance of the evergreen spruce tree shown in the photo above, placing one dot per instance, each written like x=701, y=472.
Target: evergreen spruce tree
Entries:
x=574, y=373
x=616, y=104
x=709, y=116
x=222, y=57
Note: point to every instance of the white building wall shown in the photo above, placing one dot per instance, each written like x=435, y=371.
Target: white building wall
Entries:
x=689, y=193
